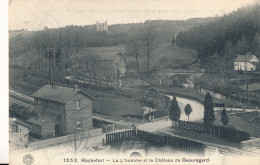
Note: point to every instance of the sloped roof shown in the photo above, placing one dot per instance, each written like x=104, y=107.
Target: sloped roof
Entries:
x=58, y=94
x=15, y=120
x=43, y=118
x=244, y=58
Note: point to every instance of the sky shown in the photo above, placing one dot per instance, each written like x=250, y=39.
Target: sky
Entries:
x=36, y=14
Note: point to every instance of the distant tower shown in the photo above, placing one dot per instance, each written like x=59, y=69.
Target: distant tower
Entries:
x=101, y=26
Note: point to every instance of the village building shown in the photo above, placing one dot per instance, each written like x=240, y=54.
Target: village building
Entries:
x=18, y=133
x=60, y=111
x=246, y=62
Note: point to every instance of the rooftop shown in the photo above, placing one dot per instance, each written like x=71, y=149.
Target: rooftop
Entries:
x=58, y=94
x=43, y=118
x=15, y=120
x=244, y=58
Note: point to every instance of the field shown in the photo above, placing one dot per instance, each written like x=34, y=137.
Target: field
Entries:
x=106, y=53
x=164, y=55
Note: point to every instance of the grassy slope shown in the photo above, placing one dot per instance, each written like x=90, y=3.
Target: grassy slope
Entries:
x=164, y=56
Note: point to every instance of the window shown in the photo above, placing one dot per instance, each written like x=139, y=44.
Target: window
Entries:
x=78, y=104
x=14, y=128
x=79, y=124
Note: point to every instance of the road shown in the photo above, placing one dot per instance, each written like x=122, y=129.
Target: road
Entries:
x=197, y=109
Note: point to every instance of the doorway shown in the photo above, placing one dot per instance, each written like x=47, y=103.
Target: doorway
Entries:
x=57, y=130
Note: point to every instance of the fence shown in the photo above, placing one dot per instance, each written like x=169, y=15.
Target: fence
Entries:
x=157, y=139
x=220, y=131
x=152, y=137
x=184, y=144
x=64, y=139
x=119, y=136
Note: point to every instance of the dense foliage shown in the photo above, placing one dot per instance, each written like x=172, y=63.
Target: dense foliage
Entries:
x=224, y=117
x=208, y=111
x=188, y=111
x=218, y=43
x=175, y=112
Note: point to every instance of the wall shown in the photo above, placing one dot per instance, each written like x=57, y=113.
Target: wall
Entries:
x=52, y=106
x=64, y=139
x=241, y=66
x=21, y=138
x=36, y=130
x=84, y=113
x=213, y=94
x=253, y=144
x=48, y=128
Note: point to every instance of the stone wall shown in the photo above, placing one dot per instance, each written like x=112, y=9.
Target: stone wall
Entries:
x=64, y=139
x=83, y=114
x=252, y=144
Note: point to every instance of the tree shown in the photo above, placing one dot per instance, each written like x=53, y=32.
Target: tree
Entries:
x=119, y=67
x=224, y=117
x=175, y=112
x=208, y=110
x=149, y=45
x=134, y=49
x=188, y=111
x=229, y=55
x=242, y=46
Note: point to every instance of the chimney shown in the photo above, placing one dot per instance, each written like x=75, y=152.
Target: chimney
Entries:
x=76, y=87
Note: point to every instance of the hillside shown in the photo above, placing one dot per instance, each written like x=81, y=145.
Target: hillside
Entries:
x=72, y=38
x=26, y=47
x=222, y=40
x=164, y=56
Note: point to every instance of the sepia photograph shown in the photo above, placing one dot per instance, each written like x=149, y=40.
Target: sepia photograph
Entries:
x=134, y=82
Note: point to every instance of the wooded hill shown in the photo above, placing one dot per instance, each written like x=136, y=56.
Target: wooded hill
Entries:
x=222, y=40
x=71, y=39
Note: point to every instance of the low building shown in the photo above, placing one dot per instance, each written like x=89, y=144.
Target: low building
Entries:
x=246, y=62
x=60, y=111
x=18, y=133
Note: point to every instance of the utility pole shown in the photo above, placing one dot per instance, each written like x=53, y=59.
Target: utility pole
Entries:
x=75, y=134
x=142, y=84
x=51, y=65
x=247, y=81
x=156, y=93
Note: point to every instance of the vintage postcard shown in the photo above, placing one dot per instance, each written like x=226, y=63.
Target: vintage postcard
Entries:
x=134, y=82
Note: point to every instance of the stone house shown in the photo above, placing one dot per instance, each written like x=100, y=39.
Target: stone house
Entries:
x=246, y=62
x=18, y=133
x=60, y=111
